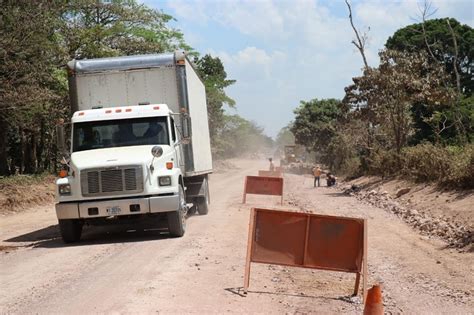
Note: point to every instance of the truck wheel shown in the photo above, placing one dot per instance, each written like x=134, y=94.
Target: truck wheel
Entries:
x=71, y=230
x=177, y=219
x=203, y=202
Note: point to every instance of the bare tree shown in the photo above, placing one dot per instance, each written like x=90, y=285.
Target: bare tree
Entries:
x=459, y=124
x=426, y=12
x=455, y=61
x=360, y=44
x=361, y=40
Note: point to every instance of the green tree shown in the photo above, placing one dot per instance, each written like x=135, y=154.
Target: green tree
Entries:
x=440, y=46
x=451, y=44
x=284, y=137
x=401, y=80
x=316, y=122
x=29, y=94
x=239, y=136
x=95, y=29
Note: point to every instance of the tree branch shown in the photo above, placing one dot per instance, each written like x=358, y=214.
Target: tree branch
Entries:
x=360, y=44
x=455, y=62
x=426, y=12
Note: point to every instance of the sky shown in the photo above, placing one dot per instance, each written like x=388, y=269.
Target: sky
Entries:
x=283, y=51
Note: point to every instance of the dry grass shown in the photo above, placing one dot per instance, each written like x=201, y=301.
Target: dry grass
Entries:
x=22, y=191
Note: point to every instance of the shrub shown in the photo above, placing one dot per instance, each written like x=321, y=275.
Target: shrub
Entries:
x=340, y=155
x=426, y=162
x=461, y=170
x=351, y=168
x=450, y=166
x=385, y=163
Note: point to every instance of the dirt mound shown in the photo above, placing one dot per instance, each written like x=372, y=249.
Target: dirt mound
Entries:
x=21, y=192
x=430, y=217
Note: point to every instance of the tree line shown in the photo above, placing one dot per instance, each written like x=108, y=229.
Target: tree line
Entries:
x=412, y=115
x=38, y=38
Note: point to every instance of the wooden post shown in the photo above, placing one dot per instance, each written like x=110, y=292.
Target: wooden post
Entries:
x=356, y=287
x=364, y=264
x=308, y=219
x=249, y=249
x=282, y=185
x=244, y=198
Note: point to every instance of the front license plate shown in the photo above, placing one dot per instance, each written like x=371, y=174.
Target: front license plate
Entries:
x=114, y=210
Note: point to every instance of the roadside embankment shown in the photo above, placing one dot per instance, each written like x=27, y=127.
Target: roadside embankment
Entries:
x=24, y=191
x=445, y=214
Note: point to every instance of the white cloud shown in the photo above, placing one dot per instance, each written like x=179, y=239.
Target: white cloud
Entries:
x=260, y=18
x=252, y=61
x=191, y=11
x=269, y=21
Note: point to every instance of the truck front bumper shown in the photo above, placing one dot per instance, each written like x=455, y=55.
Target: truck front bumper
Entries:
x=106, y=208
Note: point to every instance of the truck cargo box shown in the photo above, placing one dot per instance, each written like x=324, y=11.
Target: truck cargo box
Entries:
x=147, y=79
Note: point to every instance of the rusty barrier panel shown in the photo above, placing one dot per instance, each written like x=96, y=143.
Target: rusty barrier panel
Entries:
x=269, y=173
x=309, y=241
x=260, y=185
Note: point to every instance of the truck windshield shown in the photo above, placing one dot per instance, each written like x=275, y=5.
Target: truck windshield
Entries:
x=119, y=133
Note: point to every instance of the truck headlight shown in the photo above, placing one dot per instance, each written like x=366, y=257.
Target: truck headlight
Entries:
x=164, y=180
x=64, y=189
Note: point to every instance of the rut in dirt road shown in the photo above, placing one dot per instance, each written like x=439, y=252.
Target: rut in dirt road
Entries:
x=117, y=270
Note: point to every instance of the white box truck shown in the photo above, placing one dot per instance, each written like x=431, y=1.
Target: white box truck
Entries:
x=139, y=145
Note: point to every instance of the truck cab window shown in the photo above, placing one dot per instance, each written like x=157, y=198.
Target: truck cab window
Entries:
x=121, y=132
x=173, y=130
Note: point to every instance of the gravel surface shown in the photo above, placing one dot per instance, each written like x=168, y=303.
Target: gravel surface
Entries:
x=454, y=233
x=131, y=270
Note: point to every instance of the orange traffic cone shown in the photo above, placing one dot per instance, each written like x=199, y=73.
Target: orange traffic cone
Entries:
x=373, y=302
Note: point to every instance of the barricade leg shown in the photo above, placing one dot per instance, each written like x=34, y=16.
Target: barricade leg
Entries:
x=364, y=263
x=244, y=197
x=249, y=250
x=356, y=287
x=281, y=201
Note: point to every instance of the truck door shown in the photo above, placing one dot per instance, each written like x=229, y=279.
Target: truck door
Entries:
x=179, y=152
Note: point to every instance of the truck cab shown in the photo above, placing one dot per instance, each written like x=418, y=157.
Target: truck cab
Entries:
x=124, y=162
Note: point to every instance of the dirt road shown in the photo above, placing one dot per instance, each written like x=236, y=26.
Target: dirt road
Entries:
x=119, y=270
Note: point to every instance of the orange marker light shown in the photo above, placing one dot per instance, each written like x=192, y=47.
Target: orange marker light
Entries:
x=156, y=107
x=118, y=110
x=62, y=173
x=108, y=111
x=169, y=165
x=128, y=110
x=81, y=114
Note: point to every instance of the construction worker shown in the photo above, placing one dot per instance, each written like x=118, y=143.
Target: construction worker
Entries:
x=317, y=175
x=330, y=180
x=272, y=166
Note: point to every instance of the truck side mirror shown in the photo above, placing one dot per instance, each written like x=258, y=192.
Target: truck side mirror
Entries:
x=186, y=127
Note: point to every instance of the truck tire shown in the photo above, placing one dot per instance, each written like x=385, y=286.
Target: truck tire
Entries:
x=177, y=219
x=71, y=230
x=203, y=202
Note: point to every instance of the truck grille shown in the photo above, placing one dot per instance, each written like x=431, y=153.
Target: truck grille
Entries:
x=111, y=181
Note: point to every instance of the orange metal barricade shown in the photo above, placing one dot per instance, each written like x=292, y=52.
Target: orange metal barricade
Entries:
x=269, y=173
x=260, y=185
x=309, y=241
